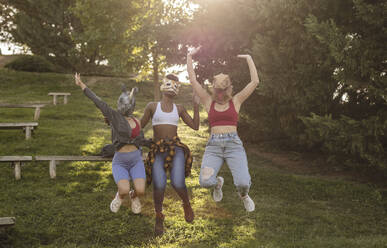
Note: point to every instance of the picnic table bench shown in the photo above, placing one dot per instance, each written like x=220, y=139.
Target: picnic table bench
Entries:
x=7, y=221
x=53, y=160
x=16, y=160
x=27, y=126
x=55, y=94
x=37, y=108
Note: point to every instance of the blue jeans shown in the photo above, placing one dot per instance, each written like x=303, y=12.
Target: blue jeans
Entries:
x=177, y=176
x=225, y=148
x=177, y=173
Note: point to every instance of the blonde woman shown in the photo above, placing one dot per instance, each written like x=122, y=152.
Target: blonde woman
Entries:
x=224, y=144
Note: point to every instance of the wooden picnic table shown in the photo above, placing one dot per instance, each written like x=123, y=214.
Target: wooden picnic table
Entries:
x=16, y=160
x=27, y=126
x=7, y=221
x=55, y=94
x=37, y=107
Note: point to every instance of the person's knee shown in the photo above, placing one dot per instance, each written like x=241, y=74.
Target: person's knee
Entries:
x=178, y=184
x=159, y=182
x=123, y=190
x=207, y=177
x=139, y=188
x=159, y=185
x=140, y=192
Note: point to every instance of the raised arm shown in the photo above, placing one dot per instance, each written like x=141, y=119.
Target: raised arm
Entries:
x=191, y=122
x=205, y=98
x=105, y=109
x=147, y=114
x=249, y=89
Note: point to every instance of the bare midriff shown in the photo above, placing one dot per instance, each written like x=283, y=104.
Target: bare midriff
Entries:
x=128, y=148
x=164, y=131
x=223, y=129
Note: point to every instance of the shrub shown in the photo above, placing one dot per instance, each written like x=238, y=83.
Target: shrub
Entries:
x=347, y=140
x=31, y=63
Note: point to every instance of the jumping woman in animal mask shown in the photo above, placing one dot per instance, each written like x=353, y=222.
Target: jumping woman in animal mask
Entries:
x=224, y=143
x=127, y=138
x=168, y=153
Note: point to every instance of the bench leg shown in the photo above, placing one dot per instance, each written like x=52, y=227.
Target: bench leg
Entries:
x=65, y=100
x=28, y=132
x=54, y=99
x=17, y=170
x=37, y=114
x=52, y=169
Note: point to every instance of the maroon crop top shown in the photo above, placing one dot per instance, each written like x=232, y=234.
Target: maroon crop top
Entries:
x=136, y=130
x=228, y=117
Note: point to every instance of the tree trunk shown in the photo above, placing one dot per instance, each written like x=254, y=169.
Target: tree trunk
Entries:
x=156, y=85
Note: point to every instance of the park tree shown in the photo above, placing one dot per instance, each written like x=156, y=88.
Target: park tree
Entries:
x=310, y=56
x=293, y=79
x=102, y=34
x=155, y=37
x=44, y=26
x=357, y=47
x=75, y=34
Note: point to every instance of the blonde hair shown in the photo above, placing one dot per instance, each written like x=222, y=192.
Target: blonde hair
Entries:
x=222, y=81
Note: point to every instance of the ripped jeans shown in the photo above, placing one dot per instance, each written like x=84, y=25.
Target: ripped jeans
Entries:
x=220, y=148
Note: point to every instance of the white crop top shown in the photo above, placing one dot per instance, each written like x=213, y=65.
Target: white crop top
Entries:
x=160, y=117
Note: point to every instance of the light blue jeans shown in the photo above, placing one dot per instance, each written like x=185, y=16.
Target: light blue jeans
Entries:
x=225, y=148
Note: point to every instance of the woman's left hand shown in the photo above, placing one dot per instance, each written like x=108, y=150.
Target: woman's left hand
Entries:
x=78, y=81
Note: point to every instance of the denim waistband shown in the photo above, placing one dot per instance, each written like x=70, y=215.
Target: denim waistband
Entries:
x=223, y=135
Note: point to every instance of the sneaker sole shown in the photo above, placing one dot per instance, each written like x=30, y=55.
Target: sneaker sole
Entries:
x=221, y=192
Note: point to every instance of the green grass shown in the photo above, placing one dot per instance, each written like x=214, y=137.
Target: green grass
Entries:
x=73, y=210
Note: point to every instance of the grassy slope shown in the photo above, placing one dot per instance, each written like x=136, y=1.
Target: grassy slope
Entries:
x=5, y=59
x=73, y=210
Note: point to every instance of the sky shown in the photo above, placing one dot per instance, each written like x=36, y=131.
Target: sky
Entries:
x=8, y=49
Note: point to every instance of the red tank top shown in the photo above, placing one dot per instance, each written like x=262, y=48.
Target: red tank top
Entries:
x=136, y=130
x=228, y=117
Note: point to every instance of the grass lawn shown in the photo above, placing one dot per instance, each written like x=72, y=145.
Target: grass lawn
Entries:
x=292, y=210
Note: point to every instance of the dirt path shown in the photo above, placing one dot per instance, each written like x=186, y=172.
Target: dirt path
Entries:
x=314, y=165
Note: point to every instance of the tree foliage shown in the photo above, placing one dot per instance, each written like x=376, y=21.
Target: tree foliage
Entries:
x=102, y=34
x=321, y=65
x=44, y=26
x=155, y=37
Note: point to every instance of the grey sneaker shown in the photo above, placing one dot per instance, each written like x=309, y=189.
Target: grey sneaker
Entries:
x=218, y=194
x=115, y=204
x=249, y=204
x=136, y=204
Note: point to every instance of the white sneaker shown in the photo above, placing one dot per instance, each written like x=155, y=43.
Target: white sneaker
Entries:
x=218, y=194
x=136, y=204
x=249, y=204
x=115, y=204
